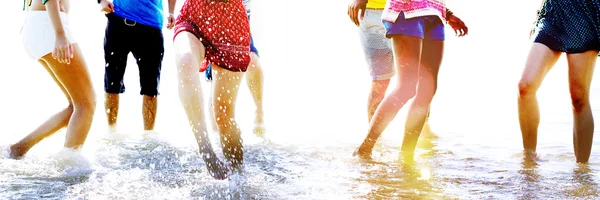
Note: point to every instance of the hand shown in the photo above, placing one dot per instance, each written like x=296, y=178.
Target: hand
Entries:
x=531, y=32
x=354, y=9
x=458, y=25
x=63, y=50
x=170, y=21
x=534, y=24
x=107, y=6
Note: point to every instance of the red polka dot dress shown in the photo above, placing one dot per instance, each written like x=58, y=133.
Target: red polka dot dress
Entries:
x=223, y=28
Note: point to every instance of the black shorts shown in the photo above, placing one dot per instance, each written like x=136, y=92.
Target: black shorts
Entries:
x=146, y=43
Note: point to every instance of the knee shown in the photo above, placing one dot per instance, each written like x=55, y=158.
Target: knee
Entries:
x=409, y=90
x=70, y=108
x=187, y=62
x=87, y=105
x=380, y=85
x=187, y=69
x=425, y=95
x=526, y=89
x=224, y=117
x=579, y=98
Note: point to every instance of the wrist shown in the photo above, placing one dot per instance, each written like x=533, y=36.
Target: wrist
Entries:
x=59, y=33
x=449, y=13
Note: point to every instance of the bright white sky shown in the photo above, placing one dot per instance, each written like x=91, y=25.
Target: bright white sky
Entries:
x=316, y=77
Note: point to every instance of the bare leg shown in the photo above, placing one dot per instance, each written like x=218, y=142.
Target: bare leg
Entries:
x=55, y=123
x=427, y=132
x=407, y=54
x=111, y=106
x=76, y=81
x=378, y=88
x=211, y=112
x=149, y=112
x=189, y=55
x=431, y=59
x=540, y=60
x=254, y=79
x=581, y=70
x=225, y=90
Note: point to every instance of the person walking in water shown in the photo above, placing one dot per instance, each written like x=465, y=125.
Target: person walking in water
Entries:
x=254, y=80
x=416, y=29
x=562, y=26
x=378, y=52
x=215, y=32
x=134, y=26
x=47, y=38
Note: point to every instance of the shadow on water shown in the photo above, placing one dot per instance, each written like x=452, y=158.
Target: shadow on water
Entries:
x=550, y=182
x=49, y=180
x=42, y=188
x=268, y=169
x=530, y=180
x=582, y=184
x=401, y=179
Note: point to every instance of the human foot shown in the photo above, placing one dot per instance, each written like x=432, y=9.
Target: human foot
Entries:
x=112, y=129
x=16, y=152
x=428, y=133
x=259, y=127
x=362, y=152
x=215, y=167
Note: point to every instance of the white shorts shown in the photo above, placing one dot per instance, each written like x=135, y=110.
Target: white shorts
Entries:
x=377, y=48
x=38, y=33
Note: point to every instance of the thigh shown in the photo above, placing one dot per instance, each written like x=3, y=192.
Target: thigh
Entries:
x=407, y=56
x=60, y=85
x=431, y=58
x=581, y=71
x=74, y=77
x=539, y=62
x=225, y=91
x=148, y=51
x=189, y=52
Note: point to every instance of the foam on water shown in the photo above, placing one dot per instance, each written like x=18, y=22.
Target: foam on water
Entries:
x=72, y=163
x=4, y=151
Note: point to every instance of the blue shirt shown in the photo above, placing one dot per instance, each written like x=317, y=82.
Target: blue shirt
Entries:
x=146, y=12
